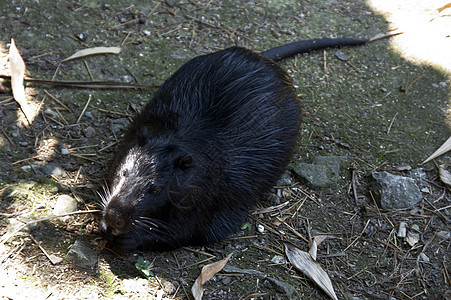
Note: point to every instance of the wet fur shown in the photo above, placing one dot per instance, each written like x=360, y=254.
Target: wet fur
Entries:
x=214, y=139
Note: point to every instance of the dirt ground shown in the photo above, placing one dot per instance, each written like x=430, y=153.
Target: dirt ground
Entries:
x=385, y=106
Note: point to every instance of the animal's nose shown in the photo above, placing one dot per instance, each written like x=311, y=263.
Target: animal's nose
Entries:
x=115, y=222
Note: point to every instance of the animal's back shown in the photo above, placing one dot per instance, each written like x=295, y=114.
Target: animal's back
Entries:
x=214, y=139
x=239, y=107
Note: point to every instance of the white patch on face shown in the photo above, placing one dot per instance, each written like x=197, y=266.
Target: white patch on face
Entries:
x=125, y=167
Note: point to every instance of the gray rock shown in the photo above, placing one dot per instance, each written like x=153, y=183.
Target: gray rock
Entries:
x=53, y=169
x=394, y=191
x=89, y=132
x=282, y=287
x=15, y=224
x=82, y=255
x=323, y=172
x=285, y=180
x=28, y=168
x=64, y=204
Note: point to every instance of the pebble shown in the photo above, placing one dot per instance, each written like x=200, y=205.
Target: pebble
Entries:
x=51, y=113
x=89, y=132
x=52, y=169
x=278, y=259
x=127, y=78
x=226, y=280
x=402, y=230
x=64, y=204
x=15, y=132
x=82, y=255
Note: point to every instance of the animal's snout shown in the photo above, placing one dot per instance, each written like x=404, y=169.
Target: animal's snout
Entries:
x=115, y=222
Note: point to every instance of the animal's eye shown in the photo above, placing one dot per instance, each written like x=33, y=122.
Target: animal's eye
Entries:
x=154, y=190
x=124, y=173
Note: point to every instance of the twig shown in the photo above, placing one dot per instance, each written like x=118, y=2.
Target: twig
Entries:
x=89, y=70
x=391, y=124
x=358, y=237
x=115, y=112
x=6, y=135
x=56, y=100
x=84, y=109
x=87, y=84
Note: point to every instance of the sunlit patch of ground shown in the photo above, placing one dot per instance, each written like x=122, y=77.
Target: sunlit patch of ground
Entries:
x=426, y=27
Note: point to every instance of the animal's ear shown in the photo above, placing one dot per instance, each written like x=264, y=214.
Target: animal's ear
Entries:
x=142, y=135
x=184, y=162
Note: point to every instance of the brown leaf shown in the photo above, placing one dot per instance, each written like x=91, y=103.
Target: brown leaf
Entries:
x=445, y=175
x=206, y=274
x=93, y=51
x=305, y=263
x=442, y=150
x=17, y=68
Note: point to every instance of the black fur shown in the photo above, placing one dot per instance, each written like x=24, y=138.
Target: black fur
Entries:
x=217, y=135
x=214, y=139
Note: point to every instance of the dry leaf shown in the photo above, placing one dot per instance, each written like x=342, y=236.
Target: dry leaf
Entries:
x=17, y=68
x=313, y=249
x=206, y=274
x=445, y=175
x=442, y=150
x=304, y=262
x=320, y=238
x=93, y=51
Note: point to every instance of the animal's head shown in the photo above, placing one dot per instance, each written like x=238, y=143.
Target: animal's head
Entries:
x=150, y=190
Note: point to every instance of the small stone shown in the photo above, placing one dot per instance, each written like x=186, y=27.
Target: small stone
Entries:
x=65, y=151
x=285, y=180
x=446, y=235
x=23, y=144
x=323, y=172
x=64, y=204
x=82, y=255
x=260, y=228
x=278, y=259
x=424, y=257
x=282, y=287
x=394, y=191
x=28, y=168
x=89, y=132
x=412, y=238
x=52, y=169
x=15, y=132
x=402, y=230
x=89, y=115
x=403, y=167
x=127, y=78
x=15, y=224
x=226, y=280
x=50, y=113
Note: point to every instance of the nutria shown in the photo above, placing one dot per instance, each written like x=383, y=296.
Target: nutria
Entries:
x=213, y=140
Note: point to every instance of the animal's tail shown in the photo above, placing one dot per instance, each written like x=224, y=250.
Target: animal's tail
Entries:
x=284, y=51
